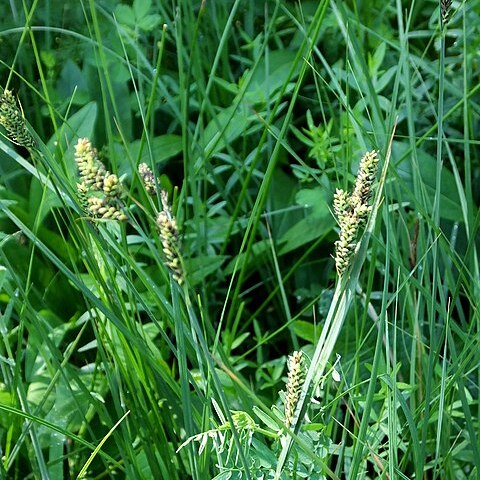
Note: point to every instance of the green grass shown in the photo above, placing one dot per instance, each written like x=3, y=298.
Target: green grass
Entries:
x=251, y=114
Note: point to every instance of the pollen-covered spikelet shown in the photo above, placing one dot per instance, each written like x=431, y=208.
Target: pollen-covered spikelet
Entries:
x=341, y=204
x=91, y=169
x=12, y=119
x=99, y=191
x=169, y=236
x=346, y=244
x=362, y=192
x=148, y=178
x=352, y=211
x=82, y=194
x=111, y=186
x=295, y=380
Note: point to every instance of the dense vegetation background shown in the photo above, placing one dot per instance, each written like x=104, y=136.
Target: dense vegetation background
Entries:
x=117, y=363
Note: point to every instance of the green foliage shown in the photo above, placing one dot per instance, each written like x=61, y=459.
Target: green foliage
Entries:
x=157, y=347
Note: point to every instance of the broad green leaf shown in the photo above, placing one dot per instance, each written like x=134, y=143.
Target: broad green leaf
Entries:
x=316, y=225
x=3, y=276
x=316, y=199
x=266, y=419
x=37, y=389
x=216, y=136
x=259, y=250
x=80, y=124
x=385, y=79
x=143, y=466
x=263, y=454
x=42, y=200
x=72, y=84
x=240, y=339
x=376, y=60
x=306, y=330
x=48, y=58
x=450, y=208
x=141, y=8
x=270, y=75
x=149, y=22
x=125, y=15
x=199, y=268
x=282, y=197
x=163, y=148
x=53, y=240
x=6, y=399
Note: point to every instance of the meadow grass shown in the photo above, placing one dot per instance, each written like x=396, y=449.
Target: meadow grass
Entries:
x=244, y=304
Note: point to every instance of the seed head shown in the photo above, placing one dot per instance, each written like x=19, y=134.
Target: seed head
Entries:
x=352, y=211
x=99, y=191
x=445, y=8
x=12, y=119
x=148, y=178
x=296, y=378
x=111, y=185
x=169, y=236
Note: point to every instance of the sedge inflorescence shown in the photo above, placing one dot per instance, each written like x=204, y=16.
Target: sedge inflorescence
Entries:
x=99, y=190
x=166, y=224
x=295, y=380
x=169, y=236
x=445, y=9
x=148, y=178
x=12, y=119
x=352, y=210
